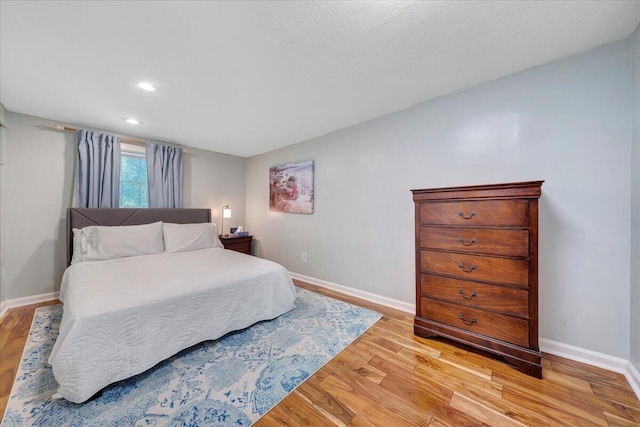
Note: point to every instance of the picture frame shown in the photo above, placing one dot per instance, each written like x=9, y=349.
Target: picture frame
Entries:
x=291, y=187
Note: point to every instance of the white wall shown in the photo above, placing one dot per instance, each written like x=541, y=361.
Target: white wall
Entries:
x=566, y=122
x=40, y=165
x=635, y=206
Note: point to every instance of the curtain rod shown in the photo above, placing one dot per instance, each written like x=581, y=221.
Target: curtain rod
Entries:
x=122, y=138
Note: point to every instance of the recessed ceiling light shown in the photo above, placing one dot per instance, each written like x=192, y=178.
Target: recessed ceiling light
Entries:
x=132, y=121
x=146, y=86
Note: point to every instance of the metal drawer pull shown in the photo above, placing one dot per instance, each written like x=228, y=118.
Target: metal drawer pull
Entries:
x=461, y=265
x=473, y=213
x=471, y=242
x=461, y=292
x=467, y=322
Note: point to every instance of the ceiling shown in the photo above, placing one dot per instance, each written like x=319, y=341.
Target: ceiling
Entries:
x=245, y=78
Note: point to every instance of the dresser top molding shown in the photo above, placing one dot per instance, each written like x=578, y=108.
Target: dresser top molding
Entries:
x=528, y=189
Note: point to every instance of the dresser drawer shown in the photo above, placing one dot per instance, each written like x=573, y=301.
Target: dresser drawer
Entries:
x=501, y=213
x=477, y=240
x=476, y=267
x=498, y=326
x=245, y=248
x=499, y=299
x=238, y=244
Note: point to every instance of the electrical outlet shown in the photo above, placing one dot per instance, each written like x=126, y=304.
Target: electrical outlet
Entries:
x=304, y=257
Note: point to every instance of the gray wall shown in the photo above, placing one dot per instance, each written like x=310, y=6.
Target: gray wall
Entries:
x=3, y=120
x=635, y=206
x=566, y=122
x=212, y=180
x=39, y=176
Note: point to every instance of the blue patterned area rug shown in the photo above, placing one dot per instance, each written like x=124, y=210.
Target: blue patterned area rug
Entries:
x=232, y=381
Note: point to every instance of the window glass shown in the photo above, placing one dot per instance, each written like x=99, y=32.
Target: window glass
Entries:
x=133, y=181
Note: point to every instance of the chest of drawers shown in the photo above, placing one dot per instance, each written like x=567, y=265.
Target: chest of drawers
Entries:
x=477, y=268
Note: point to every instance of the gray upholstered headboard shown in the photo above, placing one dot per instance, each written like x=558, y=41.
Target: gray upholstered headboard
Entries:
x=84, y=217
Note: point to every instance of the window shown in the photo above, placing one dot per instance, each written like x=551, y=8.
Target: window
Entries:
x=133, y=180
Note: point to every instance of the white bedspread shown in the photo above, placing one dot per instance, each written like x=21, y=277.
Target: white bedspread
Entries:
x=123, y=316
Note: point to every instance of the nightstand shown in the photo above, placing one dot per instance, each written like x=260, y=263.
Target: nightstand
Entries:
x=238, y=244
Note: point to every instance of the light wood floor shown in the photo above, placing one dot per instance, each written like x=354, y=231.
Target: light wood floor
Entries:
x=391, y=378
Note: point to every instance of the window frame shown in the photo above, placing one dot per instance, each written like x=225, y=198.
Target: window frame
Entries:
x=128, y=150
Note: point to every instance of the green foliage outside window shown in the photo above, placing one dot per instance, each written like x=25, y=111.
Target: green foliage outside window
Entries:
x=133, y=182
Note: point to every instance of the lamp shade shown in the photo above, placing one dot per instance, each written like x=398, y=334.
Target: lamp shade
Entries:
x=226, y=212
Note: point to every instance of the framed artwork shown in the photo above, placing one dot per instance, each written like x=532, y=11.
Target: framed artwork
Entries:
x=291, y=188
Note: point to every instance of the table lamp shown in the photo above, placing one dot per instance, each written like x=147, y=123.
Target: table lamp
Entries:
x=226, y=213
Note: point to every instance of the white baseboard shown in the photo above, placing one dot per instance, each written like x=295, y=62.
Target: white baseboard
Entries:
x=34, y=299
x=583, y=355
x=3, y=308
x=633, y=376
x=578, y=354
x=567, y=351
x=593, y=358
x=378, y=299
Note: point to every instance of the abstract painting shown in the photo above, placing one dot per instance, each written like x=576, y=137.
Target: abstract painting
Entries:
x=291, y=188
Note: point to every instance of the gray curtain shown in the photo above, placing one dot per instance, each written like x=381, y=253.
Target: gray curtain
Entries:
x=98, y=173
x=164, y=173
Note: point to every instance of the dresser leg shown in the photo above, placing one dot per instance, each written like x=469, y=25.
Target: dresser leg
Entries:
x=530, y=368
x=423, y=332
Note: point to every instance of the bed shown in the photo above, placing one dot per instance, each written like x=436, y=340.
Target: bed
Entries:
x=124, y=315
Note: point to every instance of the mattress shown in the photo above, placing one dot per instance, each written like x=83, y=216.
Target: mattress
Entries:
x=123, y=316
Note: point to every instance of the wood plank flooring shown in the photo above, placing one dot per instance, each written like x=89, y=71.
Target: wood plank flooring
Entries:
x=14, y=329
x=389, y=377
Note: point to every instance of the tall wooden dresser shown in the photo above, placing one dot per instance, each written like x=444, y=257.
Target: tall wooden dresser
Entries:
x=477, y=268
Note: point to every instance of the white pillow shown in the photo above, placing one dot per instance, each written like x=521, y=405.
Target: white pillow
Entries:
x=77, y=245
x=190, y=237
x=98, y=242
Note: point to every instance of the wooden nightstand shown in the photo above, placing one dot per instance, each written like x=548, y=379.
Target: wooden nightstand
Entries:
x=238, y=244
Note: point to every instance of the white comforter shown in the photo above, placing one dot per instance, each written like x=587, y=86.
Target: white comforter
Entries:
x=123, y=316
